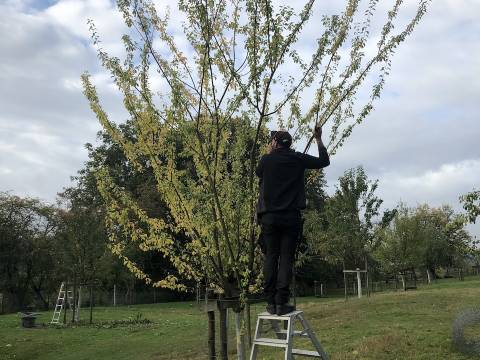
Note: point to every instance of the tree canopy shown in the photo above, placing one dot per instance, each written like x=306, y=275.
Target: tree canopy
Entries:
x=242, y=67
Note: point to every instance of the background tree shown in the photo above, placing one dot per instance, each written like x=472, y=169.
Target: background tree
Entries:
x=84, y=205
x=346, y=227
x=433, y=239
x=471, y=204
x=81, y=243
x=27, y=242
x=400, y=243
x=424, y=238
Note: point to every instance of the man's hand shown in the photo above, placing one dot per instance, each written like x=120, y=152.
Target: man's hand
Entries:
x=317, y=133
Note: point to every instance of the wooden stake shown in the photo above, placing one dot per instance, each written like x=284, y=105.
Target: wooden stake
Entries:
x=223, y=334
x=211, y=335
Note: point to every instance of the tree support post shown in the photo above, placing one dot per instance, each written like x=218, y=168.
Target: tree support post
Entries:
x=359, y=284
x=211, y=335
x=359, y=281
x=223, y=334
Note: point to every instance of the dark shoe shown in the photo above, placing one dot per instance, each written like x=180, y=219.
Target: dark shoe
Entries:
x=285, y=309
x=271, y=309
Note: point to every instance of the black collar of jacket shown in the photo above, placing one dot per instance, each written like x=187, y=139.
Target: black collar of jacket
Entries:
x=281, y=149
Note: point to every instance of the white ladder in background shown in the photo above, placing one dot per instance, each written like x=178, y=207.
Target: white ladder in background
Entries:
x=285, y=337
x=60, y=305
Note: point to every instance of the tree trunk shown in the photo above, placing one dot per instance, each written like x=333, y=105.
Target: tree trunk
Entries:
x=41, y=298
x=367, y=278
x=404, y=284
x=91, y=303
x=240, y=336
x=74, y=305
x=65, y=304
x=249, y=324
x=429, y=276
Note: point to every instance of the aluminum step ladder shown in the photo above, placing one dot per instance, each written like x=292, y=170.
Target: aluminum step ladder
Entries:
x=285, y=337
x=60, y=305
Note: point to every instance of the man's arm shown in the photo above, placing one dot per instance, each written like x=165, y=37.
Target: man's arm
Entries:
x=323, y=159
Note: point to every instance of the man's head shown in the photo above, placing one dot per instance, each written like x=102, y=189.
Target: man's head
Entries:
x=280, y=139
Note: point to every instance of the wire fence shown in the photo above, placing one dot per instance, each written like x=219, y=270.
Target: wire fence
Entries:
x=124, y=295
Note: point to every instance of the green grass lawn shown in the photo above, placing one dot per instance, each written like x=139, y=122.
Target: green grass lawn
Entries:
x=394, y=325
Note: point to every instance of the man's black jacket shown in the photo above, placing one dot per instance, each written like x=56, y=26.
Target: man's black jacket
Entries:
x=282, y=184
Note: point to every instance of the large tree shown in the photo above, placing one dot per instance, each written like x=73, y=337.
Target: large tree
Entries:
x=84, y=242
x=242, y=67
x=400, y=243
x=343, y=233
x=27, y=247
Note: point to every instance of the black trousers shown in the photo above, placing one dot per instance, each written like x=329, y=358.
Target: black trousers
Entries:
x=280, y=243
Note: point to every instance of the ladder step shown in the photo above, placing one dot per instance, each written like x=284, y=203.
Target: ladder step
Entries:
x=270, y=342
x=307, y=353
x=268, y=316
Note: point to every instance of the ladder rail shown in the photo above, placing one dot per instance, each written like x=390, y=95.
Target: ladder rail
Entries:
x=313, y=337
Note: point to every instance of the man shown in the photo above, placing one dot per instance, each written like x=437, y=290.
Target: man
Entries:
x=282, y=196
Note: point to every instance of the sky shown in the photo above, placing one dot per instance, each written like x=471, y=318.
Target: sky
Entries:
x=421, y=142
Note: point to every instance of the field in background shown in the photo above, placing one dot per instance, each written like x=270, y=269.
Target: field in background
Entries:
x=393, y=325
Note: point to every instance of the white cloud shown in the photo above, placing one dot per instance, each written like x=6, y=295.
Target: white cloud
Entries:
x=5, y=171
x=434, y=186
x=72, y=16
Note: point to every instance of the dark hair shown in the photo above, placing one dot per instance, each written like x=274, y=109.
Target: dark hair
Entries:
x=283, y=138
